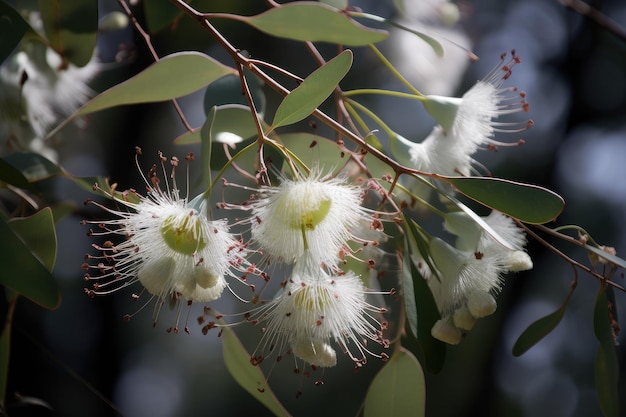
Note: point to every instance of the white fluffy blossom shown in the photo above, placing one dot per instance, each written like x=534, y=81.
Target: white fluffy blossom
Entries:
x=469, y=275
x=466, y=125
x=315, y=309
x=37, y=90
x=317, y=215
x=167, y=243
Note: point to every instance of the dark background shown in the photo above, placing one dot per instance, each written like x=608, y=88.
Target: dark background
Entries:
x=574, y=73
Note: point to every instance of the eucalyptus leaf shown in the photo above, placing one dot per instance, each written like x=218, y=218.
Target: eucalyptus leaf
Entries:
x=237, y=360
x=480, y=222
x=11, y=175
x=538, y=330
x=39, y=235
x=22, y=271
x=13, y=27
x=160, y=14
x=173, y=76
x=71, y=27
x=313, y=91
x=427, y=312
x=315, y=151
x=617, y=261
x=315, y=22
x=33, y=166
x=337, y=4
x=525, y=202
x=434, y=43
x=227, y=90
x=399, y=388
x=606, y=363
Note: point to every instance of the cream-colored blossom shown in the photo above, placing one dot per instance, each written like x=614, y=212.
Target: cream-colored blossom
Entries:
x=314, y=215
x=314, y=310
x=165, y=242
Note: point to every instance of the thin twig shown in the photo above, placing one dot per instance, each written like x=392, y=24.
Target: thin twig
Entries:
x=568, y=259
x=598, y=17
x=155, y=56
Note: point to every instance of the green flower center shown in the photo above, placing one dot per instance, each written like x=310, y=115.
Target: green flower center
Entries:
x=310, y=298
x=309, y=219
x=183, y=233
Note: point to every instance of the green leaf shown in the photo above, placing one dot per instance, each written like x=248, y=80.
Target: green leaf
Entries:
x=399, y=388
x=5, y=355
x=538, y=330
x=480, y=222
x=434, y=43
x=12, y=29
x=227, y=90
x=160, y=14
x=230, y=123
x=33, y=166
x=250, y=377
x=611, y=258
x=71, y=27
x=173, y=76
x=22, y=271
x=314, y=150
x=315, y=22
x=433, y=349
x=313, y=91
x=11, y=175
x=337, y=4
x=606, y=365
x=38, y=233
x=525, y=202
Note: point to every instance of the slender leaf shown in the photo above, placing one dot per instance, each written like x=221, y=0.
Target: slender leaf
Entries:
x=525, y=202
x=39, y=235
x=398, y=390
x=5, y=356
x=230, y=123
x=71, y=27
x=13, y=27
x=314, y=150
x=250, y=377
x=13, y=176
x=337, y=4
x=408, y=291
x=606, y=365
x=22, y=271
x=611, y=258
x=160, y=14
x=33, y=166
x=537, y=331
x=313, y=91
x=316, y=22
x=173, y=76
x=480, y=222
x=427, y=312
x=434, y=43
x=227, y=90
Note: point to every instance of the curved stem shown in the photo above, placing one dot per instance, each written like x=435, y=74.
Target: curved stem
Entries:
x=155, y=56
x=324, y=118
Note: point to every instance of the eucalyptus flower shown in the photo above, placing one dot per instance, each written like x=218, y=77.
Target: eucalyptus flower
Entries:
x=316, y=310
x=469, y=274
x=465, y=125
x=315, y=215
x=165, y=242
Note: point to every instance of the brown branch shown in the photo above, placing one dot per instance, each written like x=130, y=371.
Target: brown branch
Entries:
x=276, y=86
x=596, y=16
x=568, y=259
x=148, y=42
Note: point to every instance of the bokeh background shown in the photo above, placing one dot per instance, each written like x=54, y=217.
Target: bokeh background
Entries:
x=83, y=355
